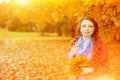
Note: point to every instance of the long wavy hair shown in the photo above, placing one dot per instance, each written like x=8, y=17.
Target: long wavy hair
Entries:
x=78, y=33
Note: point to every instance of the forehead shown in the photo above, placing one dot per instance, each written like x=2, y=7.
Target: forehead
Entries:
x=86, y=22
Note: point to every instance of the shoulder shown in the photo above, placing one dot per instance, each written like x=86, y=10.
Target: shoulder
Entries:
x=100, y=47
x=103, y=48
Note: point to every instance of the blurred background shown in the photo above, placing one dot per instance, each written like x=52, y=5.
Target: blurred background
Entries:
x=59, y=17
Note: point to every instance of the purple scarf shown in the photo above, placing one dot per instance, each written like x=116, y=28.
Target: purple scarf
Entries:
x=84, y=48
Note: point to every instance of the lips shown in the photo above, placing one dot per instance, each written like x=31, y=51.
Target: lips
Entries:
x=86, y=32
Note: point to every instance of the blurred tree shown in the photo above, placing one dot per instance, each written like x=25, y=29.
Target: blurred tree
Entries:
x=62, y=16
x=13, y=24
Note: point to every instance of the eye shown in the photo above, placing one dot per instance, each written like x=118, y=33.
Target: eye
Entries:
x=83, y=26
x=90, y=26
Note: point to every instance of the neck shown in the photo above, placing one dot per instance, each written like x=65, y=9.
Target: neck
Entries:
x=85, y=38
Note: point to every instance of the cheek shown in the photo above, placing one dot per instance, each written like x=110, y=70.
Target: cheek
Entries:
x=92, y=31
x=81, y=29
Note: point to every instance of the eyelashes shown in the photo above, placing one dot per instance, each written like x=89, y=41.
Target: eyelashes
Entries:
x=90, y=26
x=83, y=26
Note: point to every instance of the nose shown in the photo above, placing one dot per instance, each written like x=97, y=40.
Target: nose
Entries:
x=87, y=28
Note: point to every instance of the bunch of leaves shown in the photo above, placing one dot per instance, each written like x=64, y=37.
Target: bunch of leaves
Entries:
x=76, y=64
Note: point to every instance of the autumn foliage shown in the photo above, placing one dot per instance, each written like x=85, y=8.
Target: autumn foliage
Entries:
x=75, y=65
x=61, y=17
x=33, y=59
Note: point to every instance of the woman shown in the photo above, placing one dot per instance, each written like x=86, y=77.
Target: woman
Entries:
x=87, y=42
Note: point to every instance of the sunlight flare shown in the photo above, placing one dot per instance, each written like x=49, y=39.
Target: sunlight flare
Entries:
x=23, y=2
x=1, y=1
x=6, y=1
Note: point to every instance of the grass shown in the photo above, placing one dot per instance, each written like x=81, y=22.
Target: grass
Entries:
x=24, y=35
x=5, y=33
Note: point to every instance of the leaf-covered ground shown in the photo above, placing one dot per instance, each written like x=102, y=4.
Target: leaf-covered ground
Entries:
x=36, y=59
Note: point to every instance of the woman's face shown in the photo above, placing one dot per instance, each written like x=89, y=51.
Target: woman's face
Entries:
x=87, y=28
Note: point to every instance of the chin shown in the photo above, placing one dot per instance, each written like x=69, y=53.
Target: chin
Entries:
x=87, y=36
